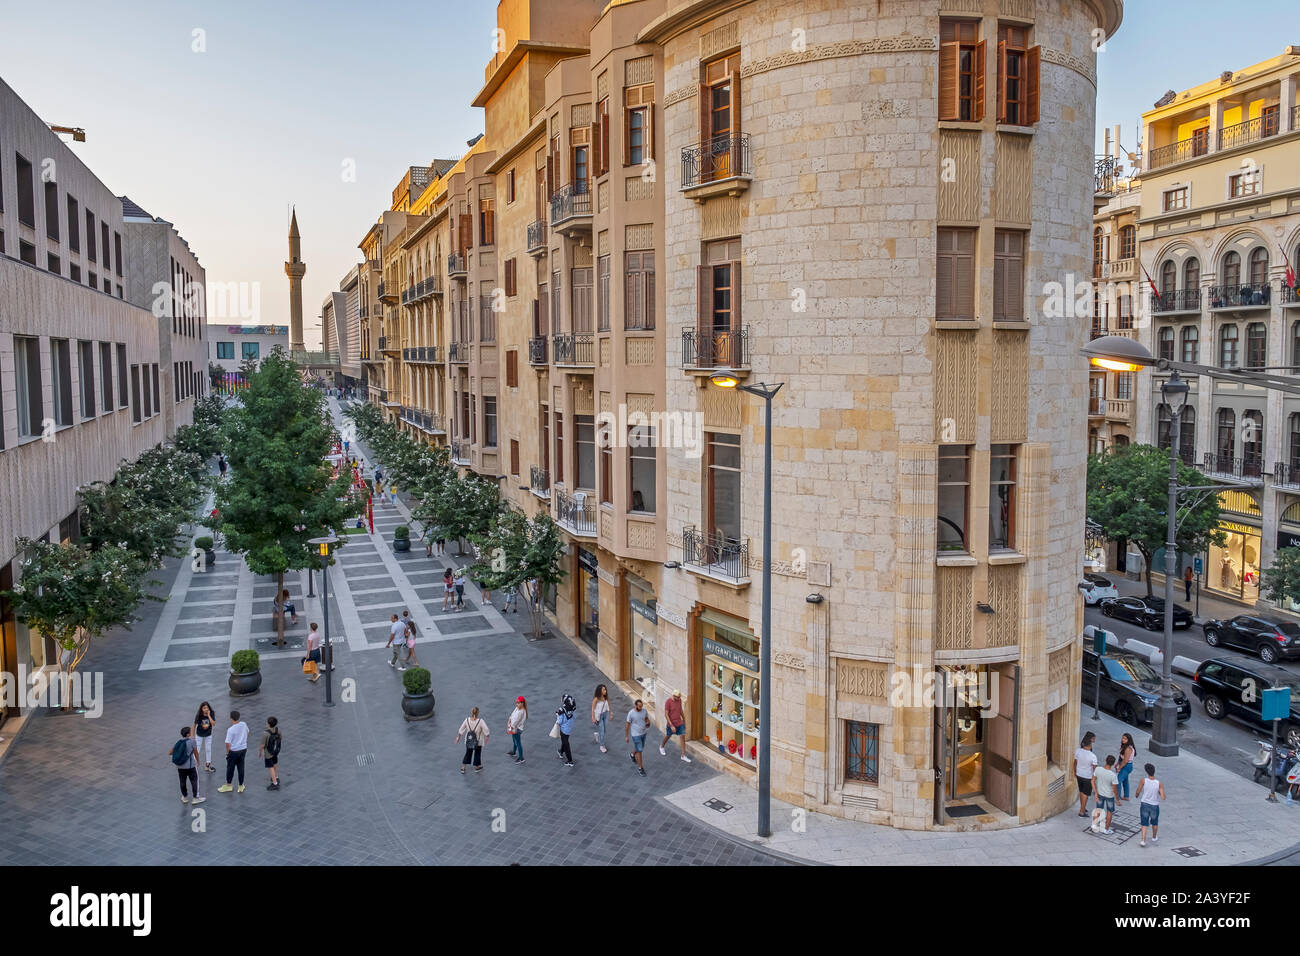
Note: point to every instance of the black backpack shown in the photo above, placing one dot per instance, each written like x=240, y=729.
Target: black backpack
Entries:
x=181, y=752
x=471, y=738
x=273, y=744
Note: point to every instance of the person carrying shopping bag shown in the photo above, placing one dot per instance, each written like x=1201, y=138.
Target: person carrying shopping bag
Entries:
x=564, y=718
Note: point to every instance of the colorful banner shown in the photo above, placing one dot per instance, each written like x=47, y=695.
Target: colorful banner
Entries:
x=257, y=330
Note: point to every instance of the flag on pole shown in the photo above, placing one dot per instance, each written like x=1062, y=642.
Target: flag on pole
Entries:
x=1151, y=282
x=1290, y=272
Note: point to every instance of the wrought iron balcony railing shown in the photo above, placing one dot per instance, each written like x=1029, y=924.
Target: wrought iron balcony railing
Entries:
x=723, y=157
x=716, y=554
x=537, y=350
x=1177, y=300
x=1261, y=127
x=576, y=512
x=571, y=201
x=456, y=265
x=458, y=353
x=1177, y=152
x=1240, y=296
x=536, y=236
x=574, y=349
x=705, y=348
x=1289, y=295
x=1247, y=468
x=539, y=482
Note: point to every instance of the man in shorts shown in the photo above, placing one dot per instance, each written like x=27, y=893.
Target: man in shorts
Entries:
x=1104, y=781
x=1085, y=765
x=674, y=723
x=638, y=720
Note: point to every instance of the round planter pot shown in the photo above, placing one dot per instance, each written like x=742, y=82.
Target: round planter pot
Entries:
x=209, y=558
x=401, y=544
x=241, y=685
x=419, y=707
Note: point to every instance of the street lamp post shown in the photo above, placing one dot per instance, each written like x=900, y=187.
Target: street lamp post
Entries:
x=328, y=657
x=1164, y=729
x=725, y=378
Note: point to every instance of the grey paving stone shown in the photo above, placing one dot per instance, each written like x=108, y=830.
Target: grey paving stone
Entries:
x=194, y=652
x=206, y=629
x=192, y=611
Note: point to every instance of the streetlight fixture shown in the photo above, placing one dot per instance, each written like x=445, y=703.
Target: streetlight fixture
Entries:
x=324, y=543
x=727, y=378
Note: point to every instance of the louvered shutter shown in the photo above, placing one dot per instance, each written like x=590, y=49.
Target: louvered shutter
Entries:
x=949, y=81
x=1035, y=60
x=650, y=131
x=979, y=65
x=1002, y=81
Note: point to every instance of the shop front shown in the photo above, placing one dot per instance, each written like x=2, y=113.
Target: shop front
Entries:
x=588, y=598
x=643, y=630
x=975, y=737
x=1288, y=536
x=732, y=695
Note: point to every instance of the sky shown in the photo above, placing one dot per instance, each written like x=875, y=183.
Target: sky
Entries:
x=273, y=104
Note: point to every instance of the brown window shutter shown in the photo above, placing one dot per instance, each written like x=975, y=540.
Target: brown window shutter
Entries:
x=736, y=155
x=736, y=296
x=466, y=233
x=550, y=175
x=627, y=136
x=597, y=169
x=1014, y=297
x=1035, y=61
x=981, y=71
x=706, y=119
x=949, y=81
x=490, y=228
x=604, y=136
x=650, y=131
x=943, y=277
x=704, y=300
x=964, y=277
x=537, y=317
x=1002, y=81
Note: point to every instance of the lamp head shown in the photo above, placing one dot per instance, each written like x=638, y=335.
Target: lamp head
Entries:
x=1174, y=392
x=724, y=378
x=1116, y=353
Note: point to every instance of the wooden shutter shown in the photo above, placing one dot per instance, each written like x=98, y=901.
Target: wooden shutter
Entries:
x=943, y=276
x=627, y=136
x=512, y=368
x=550, y=175
x=510, y=277
x=489, y=227
x=466, y=232
x=736, y=154
x=964, y=274
x=706, y=120
x=949, y=81
x=1002, y=81
x=514, y=453
x=649, y=132
x=604, y=135
x=735, y=295
x=1034, y=70
x=704, y=302
x=980, y=67
x=537, y=318
x=596, y=168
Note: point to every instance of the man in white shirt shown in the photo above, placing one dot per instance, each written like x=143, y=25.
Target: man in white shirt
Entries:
x=236, y=751
x=1104, y=781
x=1085, y=764
x=396, y=640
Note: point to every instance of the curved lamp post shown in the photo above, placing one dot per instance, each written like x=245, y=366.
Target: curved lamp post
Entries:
x=726, y=378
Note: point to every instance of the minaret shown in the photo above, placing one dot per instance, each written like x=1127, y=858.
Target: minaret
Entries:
x=295, y=269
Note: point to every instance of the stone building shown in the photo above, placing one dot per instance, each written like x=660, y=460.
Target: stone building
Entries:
x=835, y=197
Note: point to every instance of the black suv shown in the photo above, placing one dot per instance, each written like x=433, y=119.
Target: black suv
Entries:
x=1130, y=687
x=1147, y=611
x=1269, y=637
x=1228, y=689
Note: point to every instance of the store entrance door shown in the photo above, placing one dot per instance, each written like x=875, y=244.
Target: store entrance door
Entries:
x=942, y=745
x=1002, y=704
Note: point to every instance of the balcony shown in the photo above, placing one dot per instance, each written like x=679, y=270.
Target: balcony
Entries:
x=576, y=513
x=487, y=320
x=1251, y=131
x=723, y=165
x=1128, y=333
x=1178, y=300
x=539, y=483
x=574, y=350
x=1289, y=295
x=457, y=266
x=363, y=312
x=1286, y=475
x=389, y=348
x=716, y=555
x=1258, y=296
x=707, y=349
x=460, y=452
x=426, y=288
x=1178, y=152
x=536, y=237
x=1120, y=269
x=381, y=394
x=571, y=208
x=1246, y=469
x=383, y=343
x=537, y=350
x=426, y=421
x=458, y=353
x=1119, y=409
x=387, y=295
x=1096, y=407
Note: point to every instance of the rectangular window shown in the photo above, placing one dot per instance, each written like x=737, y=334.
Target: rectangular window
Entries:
x=53, y=264
x=559, y=447
x=489, y=421
x=146, y=391
x=510, y=187
x=1018, y=76
x=74, y=272
x=74, y=226
x=90, y=239
x=585, y=447
x=720, y=118
x=1008, y=276
x=106, y=376
x=1243, y=184
x=226, y=350
x=581, y=300
x=26, y=192
x=61, y=380
x=962, y=69
x=135, y=394
x=953, y=497
x=86, y=369
x=861, y=752
x=641, y=446
x=52, y=210
x=545, y=438
x=487, y=222
x=955, y=274
x=117, y=257
x=27, y=252
x=639, y=123
x=512, y=368
x=1175, y=199
x=103, y=235
x=511, y=279
x=28, y=388
x=600, y=137
x=581, y=171
x=639, y=283
x=722, y=495
x=157, y=400
x=1002, y=497
x=557, y=299
x=1256, y=345
x=123, y=393
x=602, y=294
x=250, y=350
x=1124, y=386
x=514, y=458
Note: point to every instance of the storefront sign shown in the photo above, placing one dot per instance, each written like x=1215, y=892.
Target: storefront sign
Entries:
x=730, y=654
x=1238, y=528
x=672, y=616
x=644, y=610
x=1288, y=539
x=588, y=560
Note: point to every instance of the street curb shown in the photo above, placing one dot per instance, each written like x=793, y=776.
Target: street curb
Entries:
x=740, y=841
x=1272, y=858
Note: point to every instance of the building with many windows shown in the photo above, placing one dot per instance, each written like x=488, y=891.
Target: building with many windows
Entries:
x=230, y=346
x=666, y=190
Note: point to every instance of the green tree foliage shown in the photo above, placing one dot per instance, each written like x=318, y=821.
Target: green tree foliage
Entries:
x=517, y=550
x=277, y=437
x=203, y=437
x=144, y=506
x=1280, y=582
x=1128, y=496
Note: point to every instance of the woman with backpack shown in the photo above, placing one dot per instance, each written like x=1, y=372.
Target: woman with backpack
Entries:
x=475, y=732
x=201, y=731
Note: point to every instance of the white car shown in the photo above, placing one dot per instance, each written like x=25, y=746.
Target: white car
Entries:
x=1095, y=588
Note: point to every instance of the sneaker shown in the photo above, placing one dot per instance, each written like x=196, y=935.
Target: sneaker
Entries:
x=568, y=763
x=1108, y=832
x=510, y=753
x=241, y=788
x=225, y=788
x=401, y=668
x=686, y=758
x=210, y=768
x=662, y=752
x=478, y=769
x=272, y=786
x=1154, y=838
x=603, y=750
x=1142, y=842
x=641, y=771
x=392, y=664
x=632, y=757
x=184, y=799
x=197, y=800
x=519, y=760
x=462, y=768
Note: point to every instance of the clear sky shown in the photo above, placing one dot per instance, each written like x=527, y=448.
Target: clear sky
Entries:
x=222, y=141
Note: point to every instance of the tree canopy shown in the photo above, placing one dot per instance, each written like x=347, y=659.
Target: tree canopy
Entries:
x=1280, y=581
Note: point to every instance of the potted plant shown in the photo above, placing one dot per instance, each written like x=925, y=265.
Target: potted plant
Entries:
x=245, y=673
x=417, y=699
x=401, y=538
x=206, y=544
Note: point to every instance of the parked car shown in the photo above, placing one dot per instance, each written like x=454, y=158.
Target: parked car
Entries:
x=1269, y=637
x=1096, y=589
x=1229, y=689
x=1130, y=687
x=1147, y=611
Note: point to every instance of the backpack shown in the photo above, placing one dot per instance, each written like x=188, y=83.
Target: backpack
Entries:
x=181, y=752
x=471, y=738
x=273, y=744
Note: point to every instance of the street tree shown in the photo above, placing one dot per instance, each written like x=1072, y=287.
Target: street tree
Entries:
x=517, y=551
x=1280, y=581
x=1128, y=495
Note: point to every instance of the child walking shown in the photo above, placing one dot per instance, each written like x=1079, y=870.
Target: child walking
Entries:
x=270, y=750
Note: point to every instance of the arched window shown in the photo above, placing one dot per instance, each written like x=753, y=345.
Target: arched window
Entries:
x=1128, y=242
x=1163, y=420
x=1187, y=434
x=1232, y=270
x=1190, y=342
x=1228, y=347
x=1168, y=277
x=1256, y=345
x=1259, y=267
x=1166, y=343
x=1252, y=444
x=1192, y=274
x=1121, y=441
x=1225, y=444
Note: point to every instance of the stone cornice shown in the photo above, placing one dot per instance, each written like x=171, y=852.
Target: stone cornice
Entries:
x=1071, y=62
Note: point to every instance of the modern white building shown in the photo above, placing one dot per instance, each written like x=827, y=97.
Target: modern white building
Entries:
x=229, y=346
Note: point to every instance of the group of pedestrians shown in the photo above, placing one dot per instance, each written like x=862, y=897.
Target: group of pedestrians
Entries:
x=194, y=750
x=1109, y=782
x=401, y=634
x=453, y=589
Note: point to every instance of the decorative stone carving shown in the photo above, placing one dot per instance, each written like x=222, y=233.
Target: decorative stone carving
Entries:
x=636, y=188
x=641, y=534
x=868, y=679
x=723, y=38
x=639, y=70
x=1060, y=58
x=721, y=218
x=640, y=351
x=1004, y=596
x=1008, y=421
x=956, y=387
x=639, y=236
x=685, y=93
x=721, y=408
x=793, y=661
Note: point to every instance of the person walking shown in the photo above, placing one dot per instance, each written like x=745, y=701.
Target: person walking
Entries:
x=475, y=732
x=1151, y=793
x=439, y=539
x=485, y=593
x=638, y=721
x=1127, y=754
x=236, y=751
x=313, y=651
x=564, y=720
x=183, y=754
x=1085, y=764
x=448, y=590
x=515, y=728
x=1105, y=779
x=204, y=722
x=600, y=714
x=1188, y=577
x=674, y=723
x=512, y=600
x=459, y=582
x=221, y=465
x=427, y=536
x=411, y=630
x=270, y=751
x=396, y=632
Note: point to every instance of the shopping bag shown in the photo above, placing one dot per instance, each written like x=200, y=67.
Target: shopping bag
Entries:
x=309, y=668
x=555, y=729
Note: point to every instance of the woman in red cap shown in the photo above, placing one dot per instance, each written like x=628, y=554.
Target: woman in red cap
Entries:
x=515, y=728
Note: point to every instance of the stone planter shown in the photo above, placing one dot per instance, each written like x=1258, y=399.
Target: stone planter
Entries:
x=418, y=707
x=401, y=544
x=209, y=558
x=242, y=685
